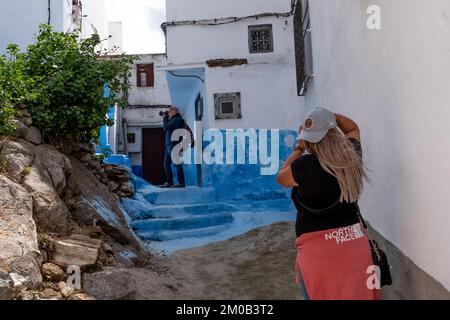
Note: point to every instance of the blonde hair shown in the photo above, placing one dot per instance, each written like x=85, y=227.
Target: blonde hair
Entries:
x=338, y=157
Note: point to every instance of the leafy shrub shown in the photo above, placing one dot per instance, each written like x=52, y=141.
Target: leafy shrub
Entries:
x=61, y=78
x=15, y=87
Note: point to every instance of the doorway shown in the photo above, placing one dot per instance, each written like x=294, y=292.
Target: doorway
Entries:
x=153, y=149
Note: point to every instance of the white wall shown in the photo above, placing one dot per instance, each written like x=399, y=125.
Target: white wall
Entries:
x=20, y=20
x=207, y=9
x=268, y=96
x=267, y=84
x=395, y=83
x=115, y=45
x=157, y=95
x=95, y=18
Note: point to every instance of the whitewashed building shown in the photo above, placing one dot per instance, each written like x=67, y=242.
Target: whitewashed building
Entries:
x=388, y=67
x=233, y=65
x=20, y=19
x=242, y=50
x=140, y=127
x=228, y=65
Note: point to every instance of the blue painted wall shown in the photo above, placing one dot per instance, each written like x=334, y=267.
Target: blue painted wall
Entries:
x=184, y=91
x=104, y=146
x=244, y=181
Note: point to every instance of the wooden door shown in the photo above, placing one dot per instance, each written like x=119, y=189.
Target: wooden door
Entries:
x=153, y=155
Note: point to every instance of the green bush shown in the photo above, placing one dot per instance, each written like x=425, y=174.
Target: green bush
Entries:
x=61, y=79
x=15, y=87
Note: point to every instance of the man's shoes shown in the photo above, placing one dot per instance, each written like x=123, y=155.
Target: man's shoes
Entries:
x=166, y=185
x=178, y=186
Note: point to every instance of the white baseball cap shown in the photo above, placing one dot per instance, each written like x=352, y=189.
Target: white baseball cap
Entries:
x=316, y=125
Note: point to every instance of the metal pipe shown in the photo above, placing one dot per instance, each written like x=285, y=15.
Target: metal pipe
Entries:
x=49, y=11
x=186, y=76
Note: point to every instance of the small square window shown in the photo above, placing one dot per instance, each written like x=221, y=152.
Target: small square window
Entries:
x=260, y=38
x=131, y=138
x=227, y=105
x=145, y=75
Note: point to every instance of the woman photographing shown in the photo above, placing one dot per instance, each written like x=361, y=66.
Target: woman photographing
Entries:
x=326, y=174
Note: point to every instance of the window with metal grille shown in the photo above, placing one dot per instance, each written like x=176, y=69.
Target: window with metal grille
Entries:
x=260, y=38
x=303, y=46
x=227, y=105
x=145, y=75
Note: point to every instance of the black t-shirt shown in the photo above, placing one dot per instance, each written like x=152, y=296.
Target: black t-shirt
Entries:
x=319, y=190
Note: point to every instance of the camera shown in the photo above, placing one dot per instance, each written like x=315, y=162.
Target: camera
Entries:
x=164, y=113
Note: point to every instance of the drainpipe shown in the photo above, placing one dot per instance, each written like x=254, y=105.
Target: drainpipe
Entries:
x=125, y=136
x=49, y=11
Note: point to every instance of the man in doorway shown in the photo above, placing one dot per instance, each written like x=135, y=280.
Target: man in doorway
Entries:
x=172, y=121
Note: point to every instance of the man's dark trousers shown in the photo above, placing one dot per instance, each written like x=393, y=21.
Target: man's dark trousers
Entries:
x=168, y=169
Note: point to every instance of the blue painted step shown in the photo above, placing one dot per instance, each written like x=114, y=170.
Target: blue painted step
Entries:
x=188, y=222
x=182, y=196
x=171, y=235
x=176, y=211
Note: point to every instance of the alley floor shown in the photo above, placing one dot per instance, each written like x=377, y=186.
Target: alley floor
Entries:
x=256, y=265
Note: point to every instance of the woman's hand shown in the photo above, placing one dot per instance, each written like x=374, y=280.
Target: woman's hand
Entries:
x=348, y=127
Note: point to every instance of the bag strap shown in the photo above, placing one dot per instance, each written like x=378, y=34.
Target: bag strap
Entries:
x=297, y=200
x=372, y=242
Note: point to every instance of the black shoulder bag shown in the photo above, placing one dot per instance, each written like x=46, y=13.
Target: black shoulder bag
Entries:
x=378, y=255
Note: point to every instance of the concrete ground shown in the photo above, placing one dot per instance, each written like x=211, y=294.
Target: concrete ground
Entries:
x=256, y=265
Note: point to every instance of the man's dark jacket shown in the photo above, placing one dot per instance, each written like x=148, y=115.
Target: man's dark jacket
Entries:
x=170, y=125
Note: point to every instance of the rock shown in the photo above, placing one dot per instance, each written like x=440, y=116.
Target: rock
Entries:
x=122, y=194
x=80, y=296
x=19, y=252
x=22, y=128
x=26, y=295
x=65, y=290
x=95, y=203
x=93, y=232
x=52, y=272
x=18, y=155
x=112, y=185
x=127, y=187
x=110, y=284
x=78, y=251
x=94, y=165
x=23, y=112
x=125, y=258
x=57, y=165
x=28, y=121
x=45, y=181
x=108, y=248
x=50, y=294
x=85, y=157
x=44, y=255
x=19, y=282
x=33, y=135
x=86, y=147
x=6, y=286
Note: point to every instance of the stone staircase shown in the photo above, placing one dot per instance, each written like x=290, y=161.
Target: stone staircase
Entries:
x=182, y=213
